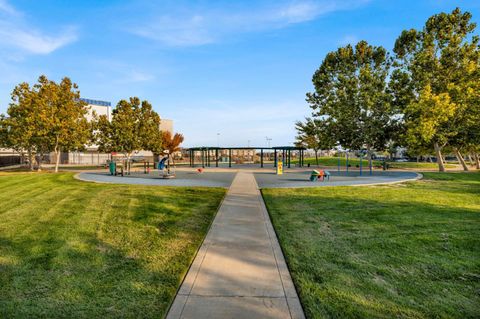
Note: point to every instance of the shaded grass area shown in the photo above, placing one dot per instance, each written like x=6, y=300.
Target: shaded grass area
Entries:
x=70, y=249
x=407, y=250
x=333, y=161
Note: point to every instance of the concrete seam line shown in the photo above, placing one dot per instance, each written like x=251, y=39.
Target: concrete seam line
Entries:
x=274, y=241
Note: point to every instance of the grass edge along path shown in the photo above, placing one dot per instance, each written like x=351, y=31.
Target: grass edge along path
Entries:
x=407, y=250
x=87, y=250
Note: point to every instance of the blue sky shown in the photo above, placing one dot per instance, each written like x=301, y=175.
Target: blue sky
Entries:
x=238, y=68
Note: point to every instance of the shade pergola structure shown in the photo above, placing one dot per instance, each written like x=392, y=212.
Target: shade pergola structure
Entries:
x=279, y=152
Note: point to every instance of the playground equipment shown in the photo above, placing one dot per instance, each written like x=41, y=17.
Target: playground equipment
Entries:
x=115, y=168
x=112, y=166
x=321, y=175
x=360, y=166
x=165, y=167
x=279, y=168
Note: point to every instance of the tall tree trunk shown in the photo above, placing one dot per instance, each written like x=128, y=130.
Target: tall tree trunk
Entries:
x=57, y=154
x=57, y=160
x=30, y=159
x=316, y=157
x=38, y=158
x=438, y=153
x=127, y=166
x=460, y=159
x=369, y=157
x=470, y=158
x=477, y=160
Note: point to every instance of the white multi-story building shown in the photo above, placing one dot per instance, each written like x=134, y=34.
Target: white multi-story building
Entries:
x=99, y=107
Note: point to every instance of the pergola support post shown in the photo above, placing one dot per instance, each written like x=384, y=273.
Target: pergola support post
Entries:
x=208, y=157
x=261, y=157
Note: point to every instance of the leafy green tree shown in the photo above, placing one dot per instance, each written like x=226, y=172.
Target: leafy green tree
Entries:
x=47, y=117
x=436, y=82
x=315, y=134
x=351, y=93
x=21, y=129
x=63, y=122
x=134, y=127
x=149, y=131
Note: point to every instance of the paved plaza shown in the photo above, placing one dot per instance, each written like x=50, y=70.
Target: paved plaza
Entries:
x=265, y=177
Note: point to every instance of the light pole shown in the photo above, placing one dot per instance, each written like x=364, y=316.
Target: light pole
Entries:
x=218, y=140
x=268, y=140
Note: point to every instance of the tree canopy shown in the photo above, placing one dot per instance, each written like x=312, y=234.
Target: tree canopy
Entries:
x=315, y=134
x=436, y=83
x=135, y=126
x=351, y=96
x=427, y=97
x=48, y=117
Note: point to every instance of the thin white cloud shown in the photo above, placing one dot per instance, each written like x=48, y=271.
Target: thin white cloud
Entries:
x=193, y=27
x=138, y=76
x=6, y=8
x=120, y=72
x=17, y=34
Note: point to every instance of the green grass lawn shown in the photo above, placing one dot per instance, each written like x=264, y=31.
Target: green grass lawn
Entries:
x=394, y=251
x=419, y=165
x=70, y=249
x=333, y=161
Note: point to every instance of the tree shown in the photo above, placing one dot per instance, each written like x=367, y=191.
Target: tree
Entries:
x=133, y=127
x=315, y=134
x=436, y=82
x=351, y=94
x=62, y=117
x=426, y=119
x=149, y=130
x=22, y=128
x=171, y=143
x=47, y=117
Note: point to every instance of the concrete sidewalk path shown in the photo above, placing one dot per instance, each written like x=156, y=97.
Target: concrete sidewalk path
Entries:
x=239, y=271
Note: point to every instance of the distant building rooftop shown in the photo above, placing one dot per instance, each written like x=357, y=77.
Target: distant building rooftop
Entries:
x=96, y=102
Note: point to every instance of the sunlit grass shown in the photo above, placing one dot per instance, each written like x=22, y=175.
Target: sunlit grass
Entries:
x=407, y=250
x=81, y=250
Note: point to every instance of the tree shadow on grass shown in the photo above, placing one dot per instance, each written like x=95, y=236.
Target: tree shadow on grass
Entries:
x=58, y=269
x=94, y=281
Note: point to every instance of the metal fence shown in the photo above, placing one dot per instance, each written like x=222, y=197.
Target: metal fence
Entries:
x=8, y=160
x=89, y=158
